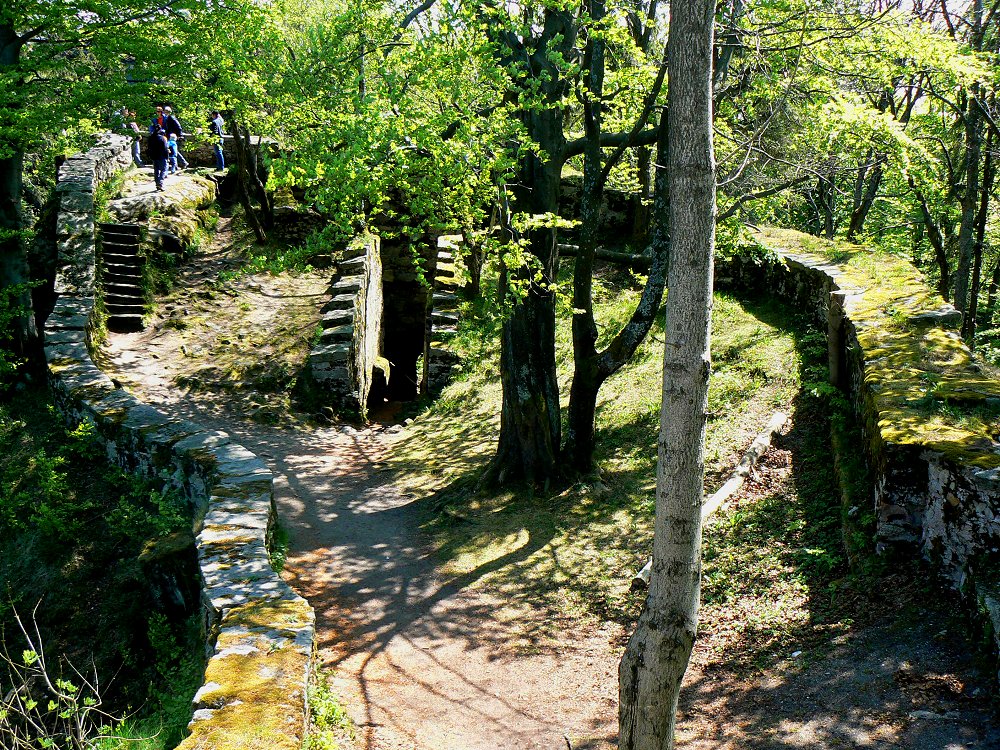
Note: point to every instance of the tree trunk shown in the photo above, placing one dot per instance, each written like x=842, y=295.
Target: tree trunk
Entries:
x=936, y=239
x=579, y=446
x=590, y=372
x=991, y=291
x=657, y=655
x=243, y=183
x=25, y=340
x=257, y=177
x=828, y=207
x=989, y=169
x=865, y=191
x=474, y=261
x=528, y=447
x=641, y=201
x=970, y=203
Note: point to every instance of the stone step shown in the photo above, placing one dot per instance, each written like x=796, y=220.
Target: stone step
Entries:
x=132, y=229
x=354, y=265
x=336, y=318
x=340, y=302
x=125, y=323
x=330, y=354
x=445, y=256
x=444, y=332
x=132, y=290
x=113, y=277
x=111, y=259
x=123, y=269
x=117, y=303
x=337, y=334
x=439, y=354
x=445, y=299
x=119, y=310
x=346, y=285
x=122, y=300
x=444, y=318
x=125, y=240
x=128, y=248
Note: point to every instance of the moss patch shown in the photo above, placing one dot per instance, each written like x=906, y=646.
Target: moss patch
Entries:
x=926, y=387
x=260, y=698
x=271, y=613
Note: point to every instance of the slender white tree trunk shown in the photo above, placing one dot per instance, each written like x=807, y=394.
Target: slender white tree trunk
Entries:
x=657, y=655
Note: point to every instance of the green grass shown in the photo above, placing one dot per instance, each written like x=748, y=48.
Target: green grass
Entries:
x=573, y=552
x=331, y=728
x=278, y=552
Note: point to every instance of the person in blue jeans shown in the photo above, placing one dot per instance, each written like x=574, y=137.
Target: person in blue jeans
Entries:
x=215, y=127
x=174, y=155
x=136, y=133
x=158, y=153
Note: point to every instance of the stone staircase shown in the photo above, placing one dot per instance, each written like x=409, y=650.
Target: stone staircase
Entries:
x=330, y=359
x=441, y=358
x=121, y=267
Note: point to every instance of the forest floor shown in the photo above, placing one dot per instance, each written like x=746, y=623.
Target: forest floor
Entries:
x=425, y=658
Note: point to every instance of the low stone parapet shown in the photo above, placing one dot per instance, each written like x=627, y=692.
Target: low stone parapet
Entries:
x=928, y=411
x=344, y=357
x=261, y=633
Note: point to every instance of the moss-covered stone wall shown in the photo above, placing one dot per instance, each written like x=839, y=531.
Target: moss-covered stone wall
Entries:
x=260, y=632
x=930, y=413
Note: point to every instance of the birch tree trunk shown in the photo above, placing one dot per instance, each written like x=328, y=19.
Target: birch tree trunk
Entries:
x=657, y=655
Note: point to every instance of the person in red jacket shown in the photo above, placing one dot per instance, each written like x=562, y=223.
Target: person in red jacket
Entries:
x=158, y=121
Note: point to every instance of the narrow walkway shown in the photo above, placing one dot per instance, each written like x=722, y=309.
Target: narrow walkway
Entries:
x=422, y=663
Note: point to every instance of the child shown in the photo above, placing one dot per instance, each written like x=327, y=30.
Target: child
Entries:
x=175, y=154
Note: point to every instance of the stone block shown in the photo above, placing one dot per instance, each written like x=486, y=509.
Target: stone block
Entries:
x=76, y=279
x=945, y=317
x=89, y=382
x=989, y=480
x=74, y=224
x=76, y=202
x=64, y=353
x=143, y=417
x=202, y=442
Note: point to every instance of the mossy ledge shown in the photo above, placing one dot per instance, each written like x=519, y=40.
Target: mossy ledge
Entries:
x=260, y=633
x=928, y=412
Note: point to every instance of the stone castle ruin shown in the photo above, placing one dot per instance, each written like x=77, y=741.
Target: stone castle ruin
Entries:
x=388, y=320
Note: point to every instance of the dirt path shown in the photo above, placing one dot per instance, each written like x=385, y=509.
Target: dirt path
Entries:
x=422, y=662
x=425, y=662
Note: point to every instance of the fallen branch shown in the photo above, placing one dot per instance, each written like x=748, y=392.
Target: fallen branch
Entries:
x=754, y=453
x=636, y=262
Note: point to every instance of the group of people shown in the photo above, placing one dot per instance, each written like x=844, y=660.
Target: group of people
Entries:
x=162, y=143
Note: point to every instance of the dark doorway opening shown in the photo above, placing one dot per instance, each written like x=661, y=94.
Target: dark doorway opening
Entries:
x=406, y=302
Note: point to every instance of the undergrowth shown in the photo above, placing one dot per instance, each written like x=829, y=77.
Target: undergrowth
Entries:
x=75, y=539
x=331, y=728
x=275, y=256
